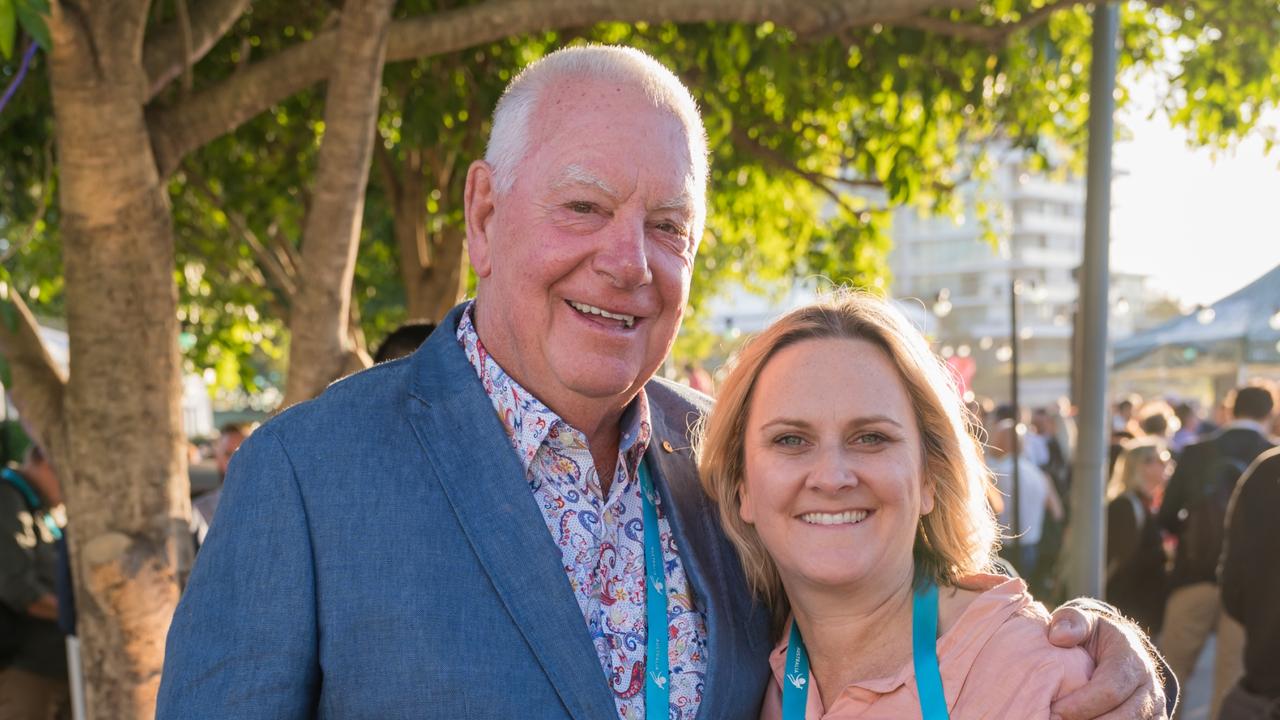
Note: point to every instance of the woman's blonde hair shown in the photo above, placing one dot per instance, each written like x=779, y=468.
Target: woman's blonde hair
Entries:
x=956, y=538
x=1127, y=475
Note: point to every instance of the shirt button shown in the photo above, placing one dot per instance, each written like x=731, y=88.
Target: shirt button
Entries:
x=666, y=445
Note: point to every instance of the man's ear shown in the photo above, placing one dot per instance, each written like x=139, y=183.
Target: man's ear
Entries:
x=478, y=208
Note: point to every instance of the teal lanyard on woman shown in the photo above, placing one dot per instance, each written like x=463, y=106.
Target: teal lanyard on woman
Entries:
x=657, y=689
x=924, y=655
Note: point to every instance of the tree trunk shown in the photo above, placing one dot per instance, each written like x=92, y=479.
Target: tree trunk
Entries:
x=432, y=268
x=126, y=482
x=444, y=283
x=320, y=348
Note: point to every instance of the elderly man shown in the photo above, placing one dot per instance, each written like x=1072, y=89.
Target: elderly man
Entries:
x=466, y=533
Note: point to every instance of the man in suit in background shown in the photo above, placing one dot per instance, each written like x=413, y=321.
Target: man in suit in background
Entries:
x=461, y=533
x=1194, y=509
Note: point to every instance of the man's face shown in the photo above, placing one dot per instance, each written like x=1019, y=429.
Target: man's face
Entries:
x=226, y=446
x=585, y=262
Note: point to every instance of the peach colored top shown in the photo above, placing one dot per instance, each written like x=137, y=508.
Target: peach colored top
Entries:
x=996, y=662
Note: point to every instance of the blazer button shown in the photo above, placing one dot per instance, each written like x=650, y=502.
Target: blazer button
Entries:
x=666, y=445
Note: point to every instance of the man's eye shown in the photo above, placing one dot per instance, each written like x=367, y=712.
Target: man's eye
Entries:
x=670, y=227
x=581, y=207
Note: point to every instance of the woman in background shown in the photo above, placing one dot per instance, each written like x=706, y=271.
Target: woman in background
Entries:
x=1136, y=580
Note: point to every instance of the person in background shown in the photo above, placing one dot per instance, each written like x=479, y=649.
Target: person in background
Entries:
x=1136, y=580
x=1155, y=422
x=403, y=340
x=230, y=437
x=1122, y=416
x=699, y=379
x=33, y=653
x=1194, y=509
x=1188, y=427
x=1036, y=496
x=1251, y=589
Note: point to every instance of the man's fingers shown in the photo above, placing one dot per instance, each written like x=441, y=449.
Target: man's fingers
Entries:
x=1122, y=685
x=1145, y=704
x=1069, y=627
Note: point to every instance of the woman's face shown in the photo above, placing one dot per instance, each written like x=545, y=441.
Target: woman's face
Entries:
x=1155, y=471
x=833, y=480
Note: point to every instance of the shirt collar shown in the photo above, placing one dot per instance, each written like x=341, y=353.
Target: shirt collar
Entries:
x=529, y=423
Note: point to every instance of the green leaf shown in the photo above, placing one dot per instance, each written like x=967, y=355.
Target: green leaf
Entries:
x=9, y=314
x=8, y=29
x=31, y=14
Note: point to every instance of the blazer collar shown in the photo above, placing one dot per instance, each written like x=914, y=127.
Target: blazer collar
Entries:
x=470, y=456
x=737, y=626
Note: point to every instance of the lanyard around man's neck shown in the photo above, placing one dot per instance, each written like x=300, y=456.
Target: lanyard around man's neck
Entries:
x=657, y=685
x=924, y=655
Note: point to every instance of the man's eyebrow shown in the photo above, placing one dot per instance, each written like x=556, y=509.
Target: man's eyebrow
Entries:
x=683, y=201
x=576, y=175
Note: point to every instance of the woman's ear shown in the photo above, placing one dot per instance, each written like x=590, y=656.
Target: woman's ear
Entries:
x=746, y=509
x=479, y=206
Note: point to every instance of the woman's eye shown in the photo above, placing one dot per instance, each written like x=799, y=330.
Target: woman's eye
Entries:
x=870, y=439
x=789, y=440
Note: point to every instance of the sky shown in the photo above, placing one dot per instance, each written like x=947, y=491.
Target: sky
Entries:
x=1200, y=227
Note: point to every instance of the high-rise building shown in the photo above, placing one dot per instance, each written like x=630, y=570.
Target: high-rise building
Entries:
x=965, y=278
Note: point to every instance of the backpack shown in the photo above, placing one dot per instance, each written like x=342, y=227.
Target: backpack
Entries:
x=1205, y=525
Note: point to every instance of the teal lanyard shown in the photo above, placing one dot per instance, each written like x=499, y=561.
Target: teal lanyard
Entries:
x=657, y=689
x=924, y=654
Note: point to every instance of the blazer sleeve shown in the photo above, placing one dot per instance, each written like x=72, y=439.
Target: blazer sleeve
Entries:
x=243, y=639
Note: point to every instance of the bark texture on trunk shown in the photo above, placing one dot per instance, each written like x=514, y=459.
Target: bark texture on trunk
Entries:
x=36, y=385
x=432, y=264
x=320, y=346
x=125, y=480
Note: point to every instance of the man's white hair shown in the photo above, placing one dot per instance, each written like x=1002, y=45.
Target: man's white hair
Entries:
x=509, y=139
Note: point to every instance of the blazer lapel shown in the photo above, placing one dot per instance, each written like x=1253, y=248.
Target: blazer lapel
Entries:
x=736, y=627
x=471, y=457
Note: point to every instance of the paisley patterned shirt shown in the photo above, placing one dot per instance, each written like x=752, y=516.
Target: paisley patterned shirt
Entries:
x=601, y=539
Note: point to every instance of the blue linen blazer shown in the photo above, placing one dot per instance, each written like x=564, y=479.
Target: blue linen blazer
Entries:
x=377, y=553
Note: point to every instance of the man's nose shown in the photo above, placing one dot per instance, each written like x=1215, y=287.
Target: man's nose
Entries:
x=622, y=257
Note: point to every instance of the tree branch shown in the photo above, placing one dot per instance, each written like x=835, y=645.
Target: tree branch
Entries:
x=281, y=277
x=166, y=55
x=991, y=35
x=178, y=130
x=37, y=385
x=782, y=162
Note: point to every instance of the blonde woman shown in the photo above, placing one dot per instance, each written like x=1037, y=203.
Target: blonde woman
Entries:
x=1137, y=583
x=844, y=472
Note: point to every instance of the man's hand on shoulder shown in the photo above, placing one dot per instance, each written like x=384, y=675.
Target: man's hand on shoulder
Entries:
x=1126, y=683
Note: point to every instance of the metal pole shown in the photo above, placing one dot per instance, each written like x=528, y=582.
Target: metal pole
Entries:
x=1014, y=449
x=1090, y=461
